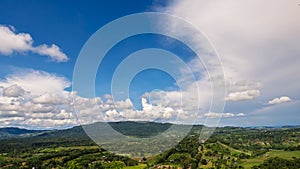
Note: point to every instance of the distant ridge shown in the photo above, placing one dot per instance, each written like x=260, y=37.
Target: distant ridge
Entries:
x=140, y=129
x=274, y=127
x=129, y=128
x=9, y=132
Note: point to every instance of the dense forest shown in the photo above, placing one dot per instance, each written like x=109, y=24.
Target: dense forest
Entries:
x=228, y=147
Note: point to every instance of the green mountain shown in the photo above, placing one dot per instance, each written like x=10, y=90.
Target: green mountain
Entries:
x=140, y=129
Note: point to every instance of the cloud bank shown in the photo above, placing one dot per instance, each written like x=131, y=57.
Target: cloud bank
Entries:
x=40, y=100
x=258, y=47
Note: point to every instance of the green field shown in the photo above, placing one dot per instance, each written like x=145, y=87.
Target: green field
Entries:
x=248, y=163
x=141, y=166
x=282, y=154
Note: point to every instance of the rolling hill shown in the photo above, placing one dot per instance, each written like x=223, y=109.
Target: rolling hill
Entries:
x=228, y=147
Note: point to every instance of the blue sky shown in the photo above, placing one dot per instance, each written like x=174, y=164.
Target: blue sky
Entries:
x=41, y=41
x=58, y=22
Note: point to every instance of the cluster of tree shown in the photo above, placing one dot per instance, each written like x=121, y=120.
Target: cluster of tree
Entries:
x=253, y=139
x=185, y=154
x=70, y=157
x=96, y=165
x=277, y=162
x=226, y=162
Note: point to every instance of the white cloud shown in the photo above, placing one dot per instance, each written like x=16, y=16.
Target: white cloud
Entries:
x=252, y=46
x=53, y=51
x=107, y=96
x=31, y=107
x=280, y=100
x=127, y=104
x=112, y=115
x=220, y=115
x=164, y=98
x=36, y=82
x=11, y=41
x=5, y=100
x=38, y=97
x=244, y=95
x=13, y=91
x=49, y=98
x=40, y=105
x=146, y=106
x=89, y=113
x=240, y=114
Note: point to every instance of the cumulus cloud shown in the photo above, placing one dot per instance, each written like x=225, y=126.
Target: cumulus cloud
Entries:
x=127, y=104
x=244, y=95
x=240, y=114
x=220, y=115
x=89, y=112
x=47, y=104
x=38, y=98
x=53, y=51
x=11, y=41
x=36, y=82
x=280, y=100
